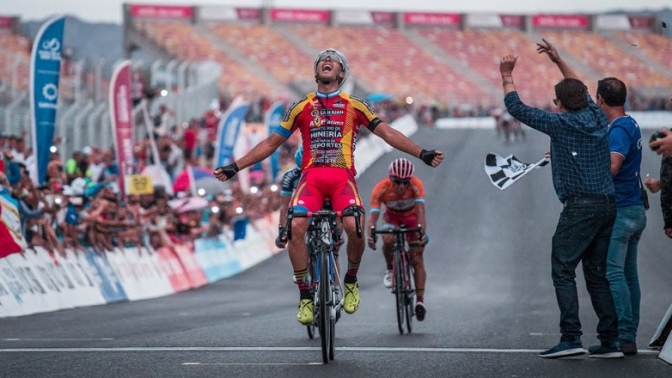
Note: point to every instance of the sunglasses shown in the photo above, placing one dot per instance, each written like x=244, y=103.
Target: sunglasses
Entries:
x=331, y=55
x=399, y=181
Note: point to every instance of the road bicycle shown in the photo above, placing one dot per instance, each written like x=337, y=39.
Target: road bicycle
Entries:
x=403, y=282
x=321, y=236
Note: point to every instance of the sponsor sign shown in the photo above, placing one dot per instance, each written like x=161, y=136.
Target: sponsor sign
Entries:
x=432, y=19
x=566, y=21
x=229, y=129
x=45, y=72
x=121, y=109
x=300, y=15
x=161, y=11
x=139, y=184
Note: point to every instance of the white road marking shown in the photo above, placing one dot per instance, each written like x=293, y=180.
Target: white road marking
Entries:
x=252, y=363
x=279, y=349
x=101, y=339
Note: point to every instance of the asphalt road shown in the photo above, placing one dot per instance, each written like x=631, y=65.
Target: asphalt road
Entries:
x=490, y=300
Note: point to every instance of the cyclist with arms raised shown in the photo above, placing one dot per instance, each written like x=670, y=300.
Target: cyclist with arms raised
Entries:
x=403, y=195
x=329, y=122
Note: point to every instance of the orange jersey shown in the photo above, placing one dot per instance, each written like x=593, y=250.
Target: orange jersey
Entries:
x=329, y=124
x=399, y=203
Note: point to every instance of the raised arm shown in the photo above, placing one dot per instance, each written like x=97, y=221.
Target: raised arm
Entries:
x=258, y=153
x=547, y=48
x=402, y=143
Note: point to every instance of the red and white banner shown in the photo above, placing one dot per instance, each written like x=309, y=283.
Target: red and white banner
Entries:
x=566, y=21
x=300, y=15
x=432, y=19
x=122, y=121
x=160, y=11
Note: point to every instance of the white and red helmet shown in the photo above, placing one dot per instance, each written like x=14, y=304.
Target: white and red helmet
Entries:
x=401, y=169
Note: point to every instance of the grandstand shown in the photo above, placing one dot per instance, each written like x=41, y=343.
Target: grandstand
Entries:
x=445, y=60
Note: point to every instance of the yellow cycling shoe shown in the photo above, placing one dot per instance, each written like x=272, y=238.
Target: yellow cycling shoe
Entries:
x=305, y=315
x=351, y=300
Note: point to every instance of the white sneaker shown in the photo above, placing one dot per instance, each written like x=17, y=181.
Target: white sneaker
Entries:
x=387, y=280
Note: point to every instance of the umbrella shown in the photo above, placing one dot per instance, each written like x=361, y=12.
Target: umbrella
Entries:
x=182, y=205
x=379, y=97
x=203, y=179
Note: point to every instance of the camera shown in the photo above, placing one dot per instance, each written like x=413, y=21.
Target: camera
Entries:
x=657, y=135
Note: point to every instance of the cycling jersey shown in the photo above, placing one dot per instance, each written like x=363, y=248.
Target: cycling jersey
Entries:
x=289, y=182
x=329, y=124
x=396, y=203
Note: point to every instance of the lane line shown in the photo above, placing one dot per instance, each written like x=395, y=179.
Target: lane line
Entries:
x=279, y=349
x=101, y=339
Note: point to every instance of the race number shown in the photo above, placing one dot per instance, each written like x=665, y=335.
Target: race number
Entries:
x=139, y=184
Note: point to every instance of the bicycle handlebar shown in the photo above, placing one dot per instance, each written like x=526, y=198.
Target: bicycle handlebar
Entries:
x=394, y=231
x=323, y=213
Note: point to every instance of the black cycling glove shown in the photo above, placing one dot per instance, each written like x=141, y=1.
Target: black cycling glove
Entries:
x=229, y=170
x=427, y=156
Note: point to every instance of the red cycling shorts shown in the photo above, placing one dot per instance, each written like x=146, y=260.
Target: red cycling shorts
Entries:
x=409, y=220
x=319, y=182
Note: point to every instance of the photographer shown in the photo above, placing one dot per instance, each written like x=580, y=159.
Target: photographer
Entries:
x=664, y=186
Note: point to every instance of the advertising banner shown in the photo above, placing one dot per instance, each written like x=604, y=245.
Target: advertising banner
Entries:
x=300, y=15
x=272, y=120
x=122, y=122
x=160, y=11
x=45, y=72
x=229, y=129
x=566, y=21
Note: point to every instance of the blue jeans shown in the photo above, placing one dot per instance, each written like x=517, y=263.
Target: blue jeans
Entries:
x=622, y=268
x=582, y=235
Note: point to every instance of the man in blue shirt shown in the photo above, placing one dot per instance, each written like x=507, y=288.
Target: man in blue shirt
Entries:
x=625, y=140
x=580, y=161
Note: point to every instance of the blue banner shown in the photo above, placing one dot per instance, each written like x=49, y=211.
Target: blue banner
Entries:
x=45, y=72
x=109, y=284
x=229, y=128
x=273, y=117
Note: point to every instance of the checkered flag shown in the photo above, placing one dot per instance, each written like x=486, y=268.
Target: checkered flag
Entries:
x=503, y=172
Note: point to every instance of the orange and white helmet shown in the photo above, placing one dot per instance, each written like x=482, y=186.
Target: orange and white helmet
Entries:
x=401, y=169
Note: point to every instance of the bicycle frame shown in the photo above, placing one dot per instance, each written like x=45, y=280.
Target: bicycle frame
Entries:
x=322, y=233
x=402, y=279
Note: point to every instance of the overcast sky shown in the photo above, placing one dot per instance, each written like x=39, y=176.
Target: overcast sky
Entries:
x=110, y=10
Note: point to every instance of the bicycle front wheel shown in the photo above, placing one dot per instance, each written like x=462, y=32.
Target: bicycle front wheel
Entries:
x=325, y=323
x=409, y=293
x=399, y=291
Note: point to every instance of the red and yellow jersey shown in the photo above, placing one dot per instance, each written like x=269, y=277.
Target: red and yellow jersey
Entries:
x=399, y=203
x=329, y=125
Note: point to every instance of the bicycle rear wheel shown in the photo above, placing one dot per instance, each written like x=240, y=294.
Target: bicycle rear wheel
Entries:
x=409, y=294
x=399, y=291
x=325, y=323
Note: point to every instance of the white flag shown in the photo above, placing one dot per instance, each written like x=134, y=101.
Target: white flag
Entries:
x=503, y=172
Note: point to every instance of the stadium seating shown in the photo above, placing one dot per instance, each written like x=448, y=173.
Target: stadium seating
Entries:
x=15, y=55
x=656, y=46
x=608, y=59
x=481, y=50
x=182, y=41
x=269, y=49
x=385, y=60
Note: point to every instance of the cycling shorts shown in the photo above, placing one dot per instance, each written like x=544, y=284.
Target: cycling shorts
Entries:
x=406, y=220
x=320, y=182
